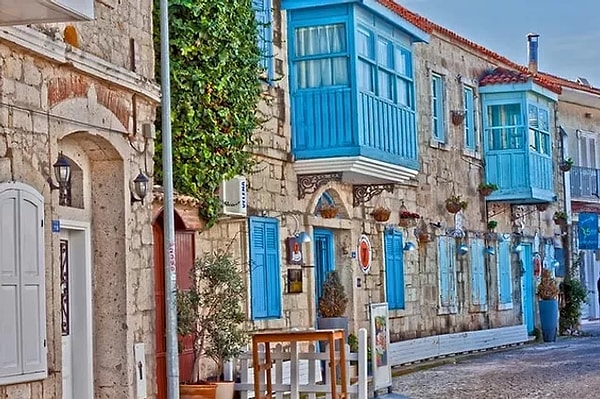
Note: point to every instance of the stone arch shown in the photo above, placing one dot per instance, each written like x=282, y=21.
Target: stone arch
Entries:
x=105, y=193
x=332, y=191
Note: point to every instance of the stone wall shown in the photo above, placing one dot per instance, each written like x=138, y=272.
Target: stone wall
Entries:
x=94, y=116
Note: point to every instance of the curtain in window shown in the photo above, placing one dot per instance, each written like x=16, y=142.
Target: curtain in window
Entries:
x=320, y=43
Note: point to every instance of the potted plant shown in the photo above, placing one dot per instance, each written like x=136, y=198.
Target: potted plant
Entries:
x=408, y=218
x=492, y=224
x=210, y=311
x=560, y=218
x=328, y=211
x=566, y=164
x=541, y=207
x=455, y=203
x=332, y=304
x=486, y=189
x=381, y=214
x=547, y=292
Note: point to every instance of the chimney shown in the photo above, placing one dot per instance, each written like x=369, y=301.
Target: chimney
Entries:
x=532, y=52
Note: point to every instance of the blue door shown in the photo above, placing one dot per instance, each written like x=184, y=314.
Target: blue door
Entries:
x=324, y=259
x=528, y=287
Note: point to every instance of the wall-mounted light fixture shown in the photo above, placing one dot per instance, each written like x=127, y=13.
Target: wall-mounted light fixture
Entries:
x=490, y=250
x=462, y=249
x=518, y=247
x=140, y=188
x=409, y=246
x=301, y=236
x=62, y=173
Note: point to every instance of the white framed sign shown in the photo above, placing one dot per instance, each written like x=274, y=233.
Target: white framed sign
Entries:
x=380, y=346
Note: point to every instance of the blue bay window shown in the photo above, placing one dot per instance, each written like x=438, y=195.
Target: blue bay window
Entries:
x=352, y=90
x=517, y=121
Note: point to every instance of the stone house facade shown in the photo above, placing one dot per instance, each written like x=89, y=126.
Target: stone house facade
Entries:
x=76, y=262
x=278, y=193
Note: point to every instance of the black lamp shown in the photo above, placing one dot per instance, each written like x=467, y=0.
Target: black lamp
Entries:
x=62, y=172
x=140, y=187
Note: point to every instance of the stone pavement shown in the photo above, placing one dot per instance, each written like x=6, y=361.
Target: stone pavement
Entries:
x=568, y=368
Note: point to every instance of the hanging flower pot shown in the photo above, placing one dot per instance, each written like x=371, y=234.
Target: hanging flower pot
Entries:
x=407, y=222
x=455, y=204
x=407, y=218
x=560, y=218
x=486, y=189
x=381, y=214
x=458, y=116
x=328, y=212
x=566, y=164
x=491, y=225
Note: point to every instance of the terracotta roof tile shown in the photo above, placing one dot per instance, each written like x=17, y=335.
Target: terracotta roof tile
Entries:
x=551, y=82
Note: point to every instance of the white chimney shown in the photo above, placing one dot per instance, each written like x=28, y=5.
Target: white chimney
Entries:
x=532, y=52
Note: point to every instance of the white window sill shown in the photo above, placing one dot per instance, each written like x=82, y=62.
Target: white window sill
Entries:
x=505, y=306
x=447, y=310
x=21, y=378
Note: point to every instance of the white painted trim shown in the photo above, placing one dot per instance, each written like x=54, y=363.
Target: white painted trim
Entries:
x=88, y=373
x=378, y=170
x=62, y=53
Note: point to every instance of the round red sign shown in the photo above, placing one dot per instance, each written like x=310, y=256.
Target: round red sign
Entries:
x=364, y=253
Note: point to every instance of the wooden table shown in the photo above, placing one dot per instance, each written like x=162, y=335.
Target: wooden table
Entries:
x=293, y=337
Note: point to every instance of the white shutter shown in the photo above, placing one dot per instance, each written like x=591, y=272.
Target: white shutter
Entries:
x=10, y=356
x=22, y=289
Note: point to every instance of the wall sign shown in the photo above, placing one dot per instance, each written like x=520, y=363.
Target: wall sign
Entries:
x=380, y=343
x=365, y=253
x=587, y=229
x=293, y=248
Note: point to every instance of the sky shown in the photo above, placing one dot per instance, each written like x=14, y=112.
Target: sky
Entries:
x=569, y=43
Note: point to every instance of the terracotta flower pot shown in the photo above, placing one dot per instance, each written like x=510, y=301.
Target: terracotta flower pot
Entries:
x=328, y=213
x=485, y=191
x=381, y=214
x=406, y=222
x=565, y=167
x=453, y=207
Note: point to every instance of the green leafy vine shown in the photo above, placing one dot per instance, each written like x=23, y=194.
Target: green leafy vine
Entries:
x=215, y=92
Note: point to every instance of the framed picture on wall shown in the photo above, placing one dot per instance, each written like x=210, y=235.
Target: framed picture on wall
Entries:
x=294, y=281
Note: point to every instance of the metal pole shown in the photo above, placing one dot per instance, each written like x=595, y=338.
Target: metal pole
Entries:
x=169, y=223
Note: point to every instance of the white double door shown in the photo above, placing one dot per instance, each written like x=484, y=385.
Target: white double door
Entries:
x=76, y=312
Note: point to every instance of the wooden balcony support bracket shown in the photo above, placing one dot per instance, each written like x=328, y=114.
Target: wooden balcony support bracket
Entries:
x=308, y=184
x=362, y=193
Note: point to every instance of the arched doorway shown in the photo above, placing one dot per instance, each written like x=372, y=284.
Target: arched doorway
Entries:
x=184, y=258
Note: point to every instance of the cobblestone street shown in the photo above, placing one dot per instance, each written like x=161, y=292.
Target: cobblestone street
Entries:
x=568, y=368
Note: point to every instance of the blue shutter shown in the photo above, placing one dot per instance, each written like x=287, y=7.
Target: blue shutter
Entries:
x=263, y=13
x=504, y=275
x=469, y=120
x=478, y=285
x=265, y=285
x=437, y=108
x=444, y=267
x=394, y=269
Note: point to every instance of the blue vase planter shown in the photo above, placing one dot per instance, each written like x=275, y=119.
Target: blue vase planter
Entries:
x=549, y=318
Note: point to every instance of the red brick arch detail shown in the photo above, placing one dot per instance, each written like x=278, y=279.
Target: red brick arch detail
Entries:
x=73, y=86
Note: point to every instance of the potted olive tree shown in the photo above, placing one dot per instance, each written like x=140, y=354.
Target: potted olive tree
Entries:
x=211, y=313
x=332, y=304
x=547, y=292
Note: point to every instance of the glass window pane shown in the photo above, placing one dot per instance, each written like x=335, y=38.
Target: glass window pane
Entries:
x=533, y=116
x=533, y=140
x=403, y=90
x=545, y=142
x=363, y=44
x=385, y=85
x=544, y=120
x=316, y=40
x=504, y=115
x=383, y=53
x=340, y=71
x=401, y=61
x=365, y=76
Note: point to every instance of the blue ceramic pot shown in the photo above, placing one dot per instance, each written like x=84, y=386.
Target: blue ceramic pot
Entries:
x=549, y=318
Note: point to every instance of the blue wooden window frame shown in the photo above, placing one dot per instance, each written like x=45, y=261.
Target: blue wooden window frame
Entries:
x=437, y=108
x=478, y=281
x=265, y=269
x=394, y=269
x=316, y=59
x=538, y=119
x=469, y=121
x=264, y=18
x=504, y=273
x=447, y=269
x=505, y=126
x=384, y=68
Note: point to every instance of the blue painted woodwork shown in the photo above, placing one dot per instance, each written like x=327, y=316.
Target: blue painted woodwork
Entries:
x=437, y=108
x=265, y=275
x=394, y=268
x=469, y=120
x=324, y=258
x=504, y=273
x=478, y=282
x=517, y=128
x=264, y=17
x=528, y=287
x=447, y=267
x=351, y=81
x=559, y=255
